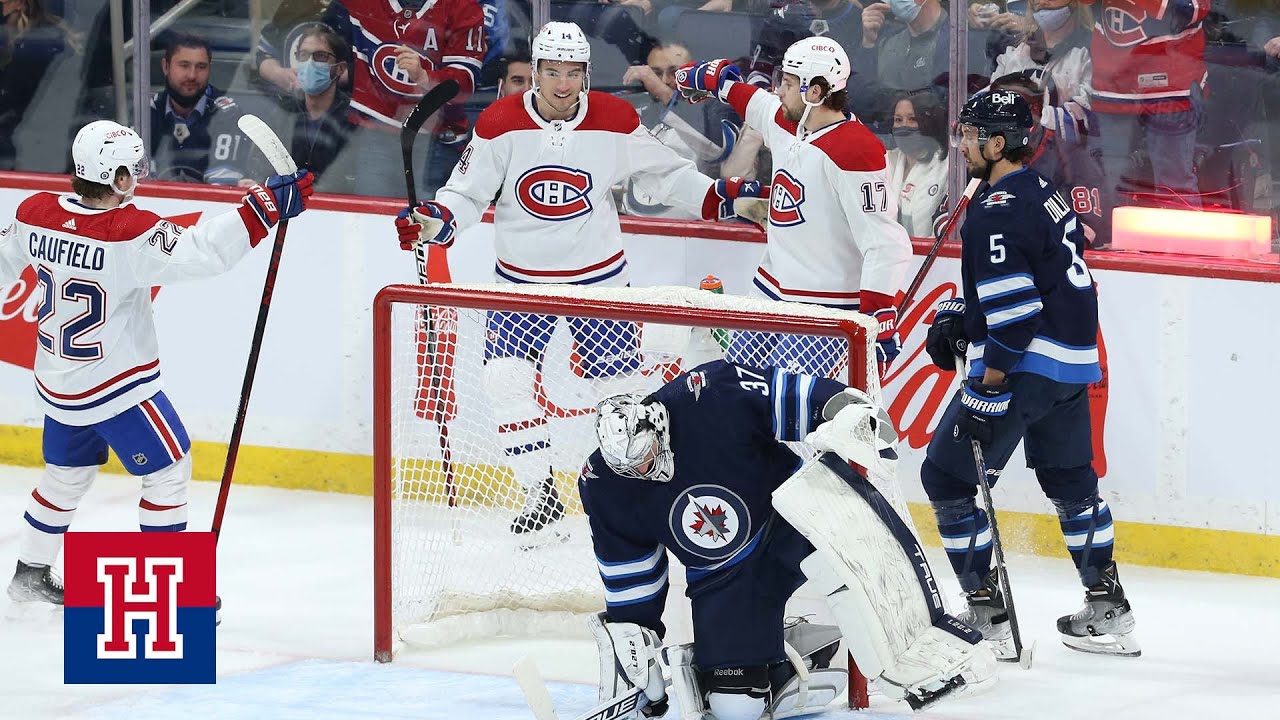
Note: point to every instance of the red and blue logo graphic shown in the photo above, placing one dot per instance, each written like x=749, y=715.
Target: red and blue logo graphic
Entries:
x=383, y=66
x=1123, y=26
x=139, y=608
x=785, y=200
x=553, y=192
x=710, y=521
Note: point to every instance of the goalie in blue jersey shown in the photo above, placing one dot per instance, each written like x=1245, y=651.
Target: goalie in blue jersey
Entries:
x=700, y=470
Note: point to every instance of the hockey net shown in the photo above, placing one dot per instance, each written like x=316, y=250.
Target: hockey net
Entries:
x=448, y=567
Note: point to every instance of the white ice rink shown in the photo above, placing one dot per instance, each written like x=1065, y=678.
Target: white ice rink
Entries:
x=295, y=575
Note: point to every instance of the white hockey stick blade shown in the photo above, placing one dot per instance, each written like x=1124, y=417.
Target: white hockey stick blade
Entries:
x=268, y=142
x=534, y=689
x=1028, y=655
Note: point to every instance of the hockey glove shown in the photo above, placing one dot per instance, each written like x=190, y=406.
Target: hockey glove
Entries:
x=946, y=338
x=429, y=222
x=280, y=198
x=718, y=204
x=888, y=344
x=699, y=81
x=981, y=406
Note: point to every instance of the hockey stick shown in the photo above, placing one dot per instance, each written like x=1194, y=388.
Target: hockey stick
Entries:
x=426, y=107
x=925, y=266
x=539, y=700
x=276, y=153
x=1027, y=654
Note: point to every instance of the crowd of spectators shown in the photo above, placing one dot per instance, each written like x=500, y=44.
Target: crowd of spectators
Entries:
x=1172, y=103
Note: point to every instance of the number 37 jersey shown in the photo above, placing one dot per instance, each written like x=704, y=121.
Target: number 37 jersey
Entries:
x=97, y=354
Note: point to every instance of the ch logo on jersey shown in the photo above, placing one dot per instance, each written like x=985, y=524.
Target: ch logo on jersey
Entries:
x=553, y=192
x=710, y=521
x=785, y=200
x=383, y=66
x=1123, y=25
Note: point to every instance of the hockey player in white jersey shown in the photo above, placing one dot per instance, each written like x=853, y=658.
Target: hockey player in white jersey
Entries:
x=550, y=156
x=833, y=234
x=97, y=371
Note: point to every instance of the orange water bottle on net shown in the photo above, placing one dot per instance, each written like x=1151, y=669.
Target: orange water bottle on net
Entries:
x=713, y=284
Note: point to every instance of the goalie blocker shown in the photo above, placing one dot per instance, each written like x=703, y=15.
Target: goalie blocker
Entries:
x=651, y=486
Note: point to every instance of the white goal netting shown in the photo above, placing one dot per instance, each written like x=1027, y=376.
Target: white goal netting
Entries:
x=486, y=392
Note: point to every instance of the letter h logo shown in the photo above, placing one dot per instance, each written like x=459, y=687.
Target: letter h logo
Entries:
x=139, y=608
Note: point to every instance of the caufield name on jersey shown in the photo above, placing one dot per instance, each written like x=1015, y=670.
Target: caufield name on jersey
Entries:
x=67, y=252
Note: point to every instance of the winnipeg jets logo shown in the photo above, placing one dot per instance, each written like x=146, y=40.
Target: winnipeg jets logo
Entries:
x=554, y=192
x=785, y=200
x=696, y=381
x=710, y=521
x=384, y=68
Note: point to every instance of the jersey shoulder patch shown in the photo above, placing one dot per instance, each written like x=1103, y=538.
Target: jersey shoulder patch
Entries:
x=610, y=114
x=504, y=115
x=853, y=148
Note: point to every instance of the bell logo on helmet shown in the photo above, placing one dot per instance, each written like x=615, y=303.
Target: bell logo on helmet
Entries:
x=1004, y=98
x=553, y=192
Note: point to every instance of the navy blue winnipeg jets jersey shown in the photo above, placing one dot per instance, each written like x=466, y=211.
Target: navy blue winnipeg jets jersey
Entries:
x=1030, y=301
x=728, y=424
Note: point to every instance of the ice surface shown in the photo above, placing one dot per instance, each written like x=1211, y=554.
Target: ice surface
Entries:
x=295, y=575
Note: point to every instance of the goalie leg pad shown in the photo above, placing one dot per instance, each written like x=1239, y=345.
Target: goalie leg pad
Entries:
x=628, y=656
x=685, y=684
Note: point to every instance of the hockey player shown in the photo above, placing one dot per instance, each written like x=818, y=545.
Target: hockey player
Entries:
x=554, y=153
x=1029, y=316
x=699, y=469
x=833, y=235
x=97, y=371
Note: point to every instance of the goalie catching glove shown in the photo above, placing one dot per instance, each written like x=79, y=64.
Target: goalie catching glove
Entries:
x=429, y=222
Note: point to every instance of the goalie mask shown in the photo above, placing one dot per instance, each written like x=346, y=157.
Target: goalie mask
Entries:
x=635, y=437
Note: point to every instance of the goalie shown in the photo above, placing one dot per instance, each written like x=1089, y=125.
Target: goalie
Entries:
x=700, y=469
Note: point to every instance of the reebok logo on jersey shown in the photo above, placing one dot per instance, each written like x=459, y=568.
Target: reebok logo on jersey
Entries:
x=785, y=200
x=553, y=192
x=69, y=224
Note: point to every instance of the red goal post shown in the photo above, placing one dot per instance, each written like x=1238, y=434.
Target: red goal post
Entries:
x=439, y=488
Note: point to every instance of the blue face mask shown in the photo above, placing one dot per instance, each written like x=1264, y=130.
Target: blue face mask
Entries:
x=314, y=77
x=1054, y=19
x=904, y=10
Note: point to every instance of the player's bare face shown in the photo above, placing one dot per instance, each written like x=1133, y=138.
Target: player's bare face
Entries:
x=788, y=91
x=519, y=76
x=978, y=163
x=559, y=83
x=186, y=74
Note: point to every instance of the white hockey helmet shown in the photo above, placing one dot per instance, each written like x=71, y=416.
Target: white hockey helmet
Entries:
x=102, y=146
x=817, y=57
x=563, y=41
x=635, y=437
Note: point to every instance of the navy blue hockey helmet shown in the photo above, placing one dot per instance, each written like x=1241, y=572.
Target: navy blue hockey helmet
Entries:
x=997, y=112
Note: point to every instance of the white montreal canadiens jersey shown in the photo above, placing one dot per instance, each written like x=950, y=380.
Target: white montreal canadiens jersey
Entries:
x=555, y=220
x=833, y=229
x=97, y=354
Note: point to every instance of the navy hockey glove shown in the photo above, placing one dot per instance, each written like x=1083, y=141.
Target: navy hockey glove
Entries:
x=946, y=338
x=429, y=222
x=280, y=198
x=981, y=406
x=888, y=343
x=718, y=204
x=699, y=81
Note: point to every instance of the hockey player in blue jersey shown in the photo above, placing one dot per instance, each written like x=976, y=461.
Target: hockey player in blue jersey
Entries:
x=699, y=469
x=1029, y=318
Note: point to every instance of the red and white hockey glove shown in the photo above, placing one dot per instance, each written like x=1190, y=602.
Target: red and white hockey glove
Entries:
x=699, y=81
x=279, y=198
x=888, y=344
x=718, y=204
x=430, y=223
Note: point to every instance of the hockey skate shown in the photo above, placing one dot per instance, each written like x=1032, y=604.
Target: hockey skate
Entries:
x=987, y=614
x=1104, y=625
x=35, y=583
x=542, y=510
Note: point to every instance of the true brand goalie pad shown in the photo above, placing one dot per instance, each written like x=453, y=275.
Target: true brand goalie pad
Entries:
x=880, y=587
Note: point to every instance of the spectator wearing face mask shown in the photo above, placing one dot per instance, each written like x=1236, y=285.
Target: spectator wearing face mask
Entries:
x=918, y=162
x=320, y=128
x=1055, y=53
x=904, y=47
